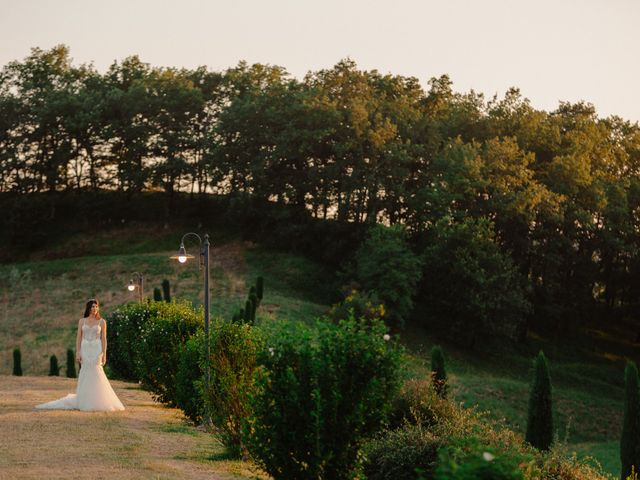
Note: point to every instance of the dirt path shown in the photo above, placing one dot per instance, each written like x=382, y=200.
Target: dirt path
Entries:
x=146, y=441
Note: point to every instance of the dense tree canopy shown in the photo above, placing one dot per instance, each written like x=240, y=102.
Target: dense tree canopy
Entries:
x=556, y=193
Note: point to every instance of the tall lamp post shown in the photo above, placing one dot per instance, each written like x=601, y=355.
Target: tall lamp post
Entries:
x=139, y=284
x=182, y=257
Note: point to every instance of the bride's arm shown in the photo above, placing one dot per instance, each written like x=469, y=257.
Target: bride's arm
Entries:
x=104, y=341
x=78, y=340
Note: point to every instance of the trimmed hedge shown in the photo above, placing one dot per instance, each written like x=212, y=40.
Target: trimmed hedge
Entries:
x=145, y=341
x=320, y=392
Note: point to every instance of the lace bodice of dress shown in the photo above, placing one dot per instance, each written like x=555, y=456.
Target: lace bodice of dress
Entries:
x=90, y=333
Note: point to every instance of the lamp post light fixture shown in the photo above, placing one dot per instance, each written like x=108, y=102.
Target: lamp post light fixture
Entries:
x=182, y=256
x=138, y=283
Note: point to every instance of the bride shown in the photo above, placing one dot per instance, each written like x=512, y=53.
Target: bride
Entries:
x=93, y=393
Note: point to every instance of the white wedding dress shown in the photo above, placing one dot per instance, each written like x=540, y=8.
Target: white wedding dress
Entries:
x=93, y=393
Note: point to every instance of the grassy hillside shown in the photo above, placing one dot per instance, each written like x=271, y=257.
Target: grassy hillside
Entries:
x=43, y=298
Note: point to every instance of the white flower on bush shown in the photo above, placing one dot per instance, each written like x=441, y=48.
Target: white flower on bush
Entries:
x=488, y=456
x=386, y=337
x=271, y=350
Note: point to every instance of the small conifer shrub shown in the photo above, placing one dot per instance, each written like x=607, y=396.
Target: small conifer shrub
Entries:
x=438, y=371
x=166, y=289
x=157, y=294
x=17, y=362
x=54, y=369
x=71, y=364
x=540, y=419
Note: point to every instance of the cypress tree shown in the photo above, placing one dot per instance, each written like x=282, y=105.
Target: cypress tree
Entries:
x=166, y=290
x=438, y=371
x=17, y=362
x=630, y=440
x=259, y=288
x=253, y=299
x=54, y=369
x=71, y=364
x=247, y=311
x=540, y=420
x=157, y=294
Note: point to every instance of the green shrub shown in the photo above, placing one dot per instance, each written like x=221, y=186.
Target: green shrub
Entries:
x=540, y=419
x=71, y=364
x=166, y=290
x=418, y=403
x=189, y=378
x=402, y=454
x=468, y=458
x=54, y=369
x=232, y=362
x=157, y=294
x=248, y=308
x=17, y=362
x=360, y=304
x=438, y=372
x=630, y=439
x=320, y=392
x=160, y=342
x=125, y=325
x=145, y=341
x=426, y=420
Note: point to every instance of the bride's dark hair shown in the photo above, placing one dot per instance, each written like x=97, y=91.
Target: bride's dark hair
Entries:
x=87, y=309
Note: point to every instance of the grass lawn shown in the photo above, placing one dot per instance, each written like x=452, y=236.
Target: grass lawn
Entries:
x=147, y=440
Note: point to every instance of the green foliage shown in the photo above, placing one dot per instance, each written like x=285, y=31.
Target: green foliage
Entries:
x=540, y=417
x=386, y=265
x=438, y=371
x=384, y=149
x=145, y=341
x=71, y=364
x=248, y=308
x=189, y=378
x=467, y=458
x=126, y=324
x=260, y=287
x=159, y=343
x=166, y=290
x=233, y=357
x=470, y=284
x=468, y=446
x=364, y=305
x=248, y=313
x=17, y=362
x=54, y=369
x=405, y=453
x=157, y=294
x=320, y=392
x=630, y=439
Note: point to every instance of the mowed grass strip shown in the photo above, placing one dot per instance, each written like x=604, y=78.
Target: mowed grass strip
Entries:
x=147, y=440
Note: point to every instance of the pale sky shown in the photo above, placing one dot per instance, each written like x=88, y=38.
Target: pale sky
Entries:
x=552, y=50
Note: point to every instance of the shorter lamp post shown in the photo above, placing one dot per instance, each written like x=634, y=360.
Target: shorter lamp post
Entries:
x=139, y=284
x=182, y=257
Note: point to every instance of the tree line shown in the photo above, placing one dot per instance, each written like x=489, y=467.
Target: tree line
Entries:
x=503, y=197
